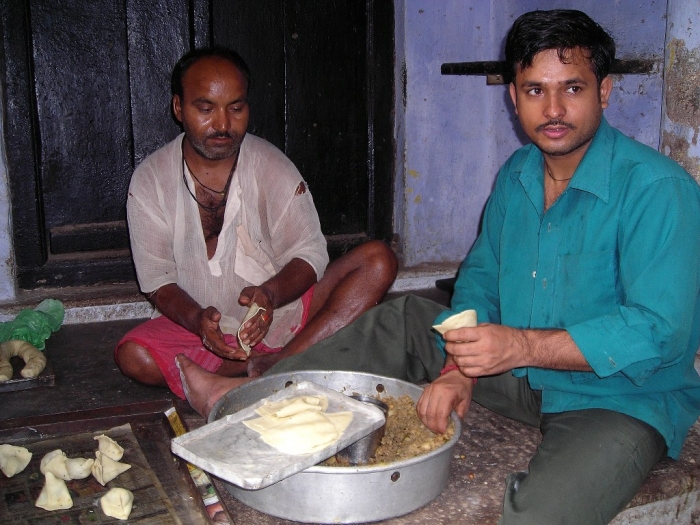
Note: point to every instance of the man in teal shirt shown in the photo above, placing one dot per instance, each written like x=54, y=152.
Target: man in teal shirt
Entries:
x=586, y=282
x=610, y=263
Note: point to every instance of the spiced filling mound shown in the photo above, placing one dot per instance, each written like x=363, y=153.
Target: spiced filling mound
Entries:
x=405, y=436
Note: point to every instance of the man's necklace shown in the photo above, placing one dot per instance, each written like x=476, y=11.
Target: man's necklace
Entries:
x=549, y=172
x=222, y=194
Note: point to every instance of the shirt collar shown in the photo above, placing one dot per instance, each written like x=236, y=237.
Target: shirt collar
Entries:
x=593, y=172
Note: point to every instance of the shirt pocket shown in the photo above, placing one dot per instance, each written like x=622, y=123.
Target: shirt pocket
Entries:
x=587, y=286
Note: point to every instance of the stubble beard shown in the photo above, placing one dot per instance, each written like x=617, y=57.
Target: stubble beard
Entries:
x=199, y=145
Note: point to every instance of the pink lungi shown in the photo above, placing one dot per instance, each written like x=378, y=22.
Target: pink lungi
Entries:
x=165, y=339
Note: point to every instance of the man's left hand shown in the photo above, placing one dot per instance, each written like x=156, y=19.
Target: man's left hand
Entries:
x=487, y=349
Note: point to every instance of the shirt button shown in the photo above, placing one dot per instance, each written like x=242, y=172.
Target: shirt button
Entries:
x=549, y=227
x=534, y=274
x=544, y=283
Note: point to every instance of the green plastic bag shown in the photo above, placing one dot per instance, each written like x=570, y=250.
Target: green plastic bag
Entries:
x=34, y=325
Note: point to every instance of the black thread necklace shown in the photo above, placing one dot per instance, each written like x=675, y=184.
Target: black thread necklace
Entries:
x=223, y=193
x=549, y=172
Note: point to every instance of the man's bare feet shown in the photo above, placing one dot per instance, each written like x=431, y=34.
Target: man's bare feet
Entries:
x=202, y=388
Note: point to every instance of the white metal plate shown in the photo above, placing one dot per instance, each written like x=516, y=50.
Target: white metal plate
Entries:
x=231, y=451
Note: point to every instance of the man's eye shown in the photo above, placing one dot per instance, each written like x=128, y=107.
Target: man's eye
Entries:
x=574, y=89
x=535, y=91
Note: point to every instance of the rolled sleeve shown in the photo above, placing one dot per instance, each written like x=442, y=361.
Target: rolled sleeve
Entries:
x=659, y=272
x=610, y=347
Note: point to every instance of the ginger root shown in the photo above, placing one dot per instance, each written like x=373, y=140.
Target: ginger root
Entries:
x=34, y=360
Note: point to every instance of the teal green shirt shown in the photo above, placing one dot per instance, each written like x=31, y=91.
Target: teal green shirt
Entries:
x=615, y=261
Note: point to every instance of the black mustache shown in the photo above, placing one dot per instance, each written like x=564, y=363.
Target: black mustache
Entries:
x=555, y=123
x=222, y=135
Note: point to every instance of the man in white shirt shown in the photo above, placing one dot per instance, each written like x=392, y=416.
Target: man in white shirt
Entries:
x=219, y=220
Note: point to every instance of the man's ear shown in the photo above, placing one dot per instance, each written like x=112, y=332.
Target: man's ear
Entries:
x=177, y=108
x=605, y=90
x=513, y=96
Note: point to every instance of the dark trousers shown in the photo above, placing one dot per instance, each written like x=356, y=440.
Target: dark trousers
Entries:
x=589, y=464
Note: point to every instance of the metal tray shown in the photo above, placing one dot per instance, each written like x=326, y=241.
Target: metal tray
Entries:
x=228, y=449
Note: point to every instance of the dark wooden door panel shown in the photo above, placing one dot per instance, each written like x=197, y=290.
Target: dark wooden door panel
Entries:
x=87, y=97
x=81, y=83
x=256, y=30
x=323, y=93
x=327, y=107
x=158, y=33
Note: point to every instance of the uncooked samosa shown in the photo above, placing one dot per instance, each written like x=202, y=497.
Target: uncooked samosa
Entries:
x=109, y=447
x=79, y=468
x=55, y=462
x=106, y=469
x=54, y=495
x=13, y=460
x=117, y=503
x=465, y=319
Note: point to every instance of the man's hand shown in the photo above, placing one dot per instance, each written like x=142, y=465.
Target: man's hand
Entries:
x=213, y=337
x=452, y=391
x=487, y=349
x=257, y=326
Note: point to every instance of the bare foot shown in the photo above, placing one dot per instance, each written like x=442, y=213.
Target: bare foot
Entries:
x=202, y=388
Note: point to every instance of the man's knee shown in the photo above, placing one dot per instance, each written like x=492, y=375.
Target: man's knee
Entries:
x=379, y=260
x=136, y=362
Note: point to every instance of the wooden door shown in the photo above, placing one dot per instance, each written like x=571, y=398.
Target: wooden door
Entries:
x=86, y=98
x=323, y=93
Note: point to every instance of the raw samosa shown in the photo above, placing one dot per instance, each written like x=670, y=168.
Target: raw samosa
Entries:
x=55, y=462
x=13, y=460
x=109, y=447
x=54, y=495
x=106, y=469
x=117, y=503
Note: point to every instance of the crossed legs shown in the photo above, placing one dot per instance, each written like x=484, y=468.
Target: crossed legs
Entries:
x=351, y=285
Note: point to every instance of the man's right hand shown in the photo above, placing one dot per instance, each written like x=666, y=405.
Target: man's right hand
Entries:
x=213, y=338
x=452, y=391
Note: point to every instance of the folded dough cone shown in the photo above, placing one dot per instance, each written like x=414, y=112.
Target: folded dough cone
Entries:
x=254, y=309
x=465, y=319
x=117, y=503
x=55, y=462
x=79, y=468
x=109, y=447
x=54, y=495
x=13, y=459
x=105, y=469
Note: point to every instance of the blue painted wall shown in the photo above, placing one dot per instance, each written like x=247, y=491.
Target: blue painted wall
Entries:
x=455, y=131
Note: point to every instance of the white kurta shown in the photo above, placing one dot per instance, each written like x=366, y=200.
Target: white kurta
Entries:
x=266, y=225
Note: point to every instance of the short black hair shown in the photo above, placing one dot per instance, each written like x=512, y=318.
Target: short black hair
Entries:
x=560, y=29
x=190, y=58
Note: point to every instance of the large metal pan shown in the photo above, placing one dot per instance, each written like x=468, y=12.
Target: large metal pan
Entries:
x=344, y=494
